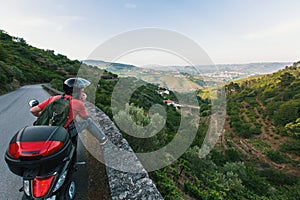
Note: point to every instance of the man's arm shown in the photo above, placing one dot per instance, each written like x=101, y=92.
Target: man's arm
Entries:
x=35, y=110
x=82, y=111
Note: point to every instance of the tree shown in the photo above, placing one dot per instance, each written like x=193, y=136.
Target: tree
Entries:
x=286, y=79
x=232, y=87
x=287, y=112
x=143, y=129
x=249, y=177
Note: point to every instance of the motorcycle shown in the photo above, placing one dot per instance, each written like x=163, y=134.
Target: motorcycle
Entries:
x=45, y=157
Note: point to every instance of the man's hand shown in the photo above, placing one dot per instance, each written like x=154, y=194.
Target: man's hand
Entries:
x=83, y=96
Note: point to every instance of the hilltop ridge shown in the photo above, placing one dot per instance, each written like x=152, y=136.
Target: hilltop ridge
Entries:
x=21, y=63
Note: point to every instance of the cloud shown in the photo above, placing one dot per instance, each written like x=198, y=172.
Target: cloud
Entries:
x=36, y=22
x=280, y=30
x=57, y=23
x=130, y=5
x=60, y=6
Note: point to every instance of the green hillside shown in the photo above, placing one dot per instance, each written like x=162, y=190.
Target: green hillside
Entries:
x=264, y=115
x=263, y=125
x=257, y=157
x=21, y=64
x=276, y=94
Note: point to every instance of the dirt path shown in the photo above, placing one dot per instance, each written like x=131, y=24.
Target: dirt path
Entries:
x=268, y=135
x=259, y=155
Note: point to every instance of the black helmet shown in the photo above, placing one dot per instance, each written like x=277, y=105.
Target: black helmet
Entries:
x=72, y=86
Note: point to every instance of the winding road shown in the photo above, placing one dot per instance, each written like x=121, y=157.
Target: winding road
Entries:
x=14, y=115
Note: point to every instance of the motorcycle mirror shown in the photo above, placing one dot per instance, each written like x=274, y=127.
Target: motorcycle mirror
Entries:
x=33, y=102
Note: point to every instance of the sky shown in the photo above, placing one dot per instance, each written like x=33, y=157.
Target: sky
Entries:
x=229, y=31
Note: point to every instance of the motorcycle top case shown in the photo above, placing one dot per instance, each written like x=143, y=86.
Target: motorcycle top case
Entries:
x=39, y=148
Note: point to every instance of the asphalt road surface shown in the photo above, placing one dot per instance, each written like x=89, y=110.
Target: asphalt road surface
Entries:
x=14, y=115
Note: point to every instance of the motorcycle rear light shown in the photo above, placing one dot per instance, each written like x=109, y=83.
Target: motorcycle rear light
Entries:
x=28, y=149
x=41, y=186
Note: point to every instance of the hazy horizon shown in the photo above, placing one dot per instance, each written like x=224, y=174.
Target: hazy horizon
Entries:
x=283, y=62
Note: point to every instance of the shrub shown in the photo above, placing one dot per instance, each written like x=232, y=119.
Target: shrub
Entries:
x=278, y=177
x=292, y=146
x=277, y=157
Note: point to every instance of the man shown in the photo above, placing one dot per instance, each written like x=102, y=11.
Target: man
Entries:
x=74, y=90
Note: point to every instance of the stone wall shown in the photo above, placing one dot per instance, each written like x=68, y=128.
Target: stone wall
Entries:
x=123, y=185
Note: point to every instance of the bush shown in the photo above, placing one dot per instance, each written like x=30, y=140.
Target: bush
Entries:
x=192, y=190
x=56, y=84
x=6, y=72
x=166, y=185
x=278, y=177
x=233, y=155
x=255, y=131
x=277, y=157
x=292, y=146
x=287, y=112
